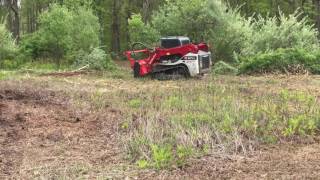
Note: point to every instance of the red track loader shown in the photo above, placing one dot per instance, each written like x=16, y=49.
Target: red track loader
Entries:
x=177, y=56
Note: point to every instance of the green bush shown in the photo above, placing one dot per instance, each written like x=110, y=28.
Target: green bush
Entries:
x=7, y=44
x=30, y=46
x=283, y=61
x=232, y=34
x=85, y=30
x=205, y=20
x=272, y=33
x=139, y=32
x=55, y=31
x=62, y=34
x=96, y=60
x=223, y=68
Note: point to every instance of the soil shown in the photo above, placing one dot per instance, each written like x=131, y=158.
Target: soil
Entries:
x=40, y=133
x=43, y=136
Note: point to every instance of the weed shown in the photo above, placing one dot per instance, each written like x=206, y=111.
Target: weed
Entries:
x=97, y=99
x=162, y=156
x=174, y=102
x=135, y=103
x=142, y=164
x=183, y=153
x=300, y=125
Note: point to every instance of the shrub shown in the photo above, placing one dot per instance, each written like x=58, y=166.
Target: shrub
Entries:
x=232, y=34
x=55, y=31
x=140, y=32
x=205, y=21
x=283, y=61
x=182, y=17
x=96, y=60
x=231, y=31
x=85, y=30
x=7, y=44
x=30, y=46
x=272, y=33
x=10, y=64
x=63, y=33
x=223, y=68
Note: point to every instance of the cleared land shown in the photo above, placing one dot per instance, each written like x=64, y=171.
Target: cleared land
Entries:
x=80, y=127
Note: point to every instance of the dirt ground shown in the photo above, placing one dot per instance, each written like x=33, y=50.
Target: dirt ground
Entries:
x=40, y=134
x=43, y=136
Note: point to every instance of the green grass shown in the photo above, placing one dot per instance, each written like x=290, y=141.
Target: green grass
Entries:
x=208, y=117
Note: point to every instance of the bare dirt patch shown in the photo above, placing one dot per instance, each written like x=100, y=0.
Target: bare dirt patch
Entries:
x=42, y=135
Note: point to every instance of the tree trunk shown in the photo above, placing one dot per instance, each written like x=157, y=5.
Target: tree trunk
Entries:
x=115, y=46
x=317, y=9
x=146, y=10
x=15, y=19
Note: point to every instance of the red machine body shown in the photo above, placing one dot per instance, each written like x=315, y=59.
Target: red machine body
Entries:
x=156, y=54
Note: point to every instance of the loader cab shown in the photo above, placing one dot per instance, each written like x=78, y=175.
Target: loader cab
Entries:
x=173, y=42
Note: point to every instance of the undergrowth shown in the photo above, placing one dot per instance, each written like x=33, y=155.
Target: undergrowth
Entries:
x=166, y=129
x=291, y=61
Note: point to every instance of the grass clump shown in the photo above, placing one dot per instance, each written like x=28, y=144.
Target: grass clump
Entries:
x=282, y=61
x=135, y=103
x=223, y=68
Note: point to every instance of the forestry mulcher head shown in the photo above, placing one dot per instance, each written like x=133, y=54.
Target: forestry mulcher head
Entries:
x=176, y=57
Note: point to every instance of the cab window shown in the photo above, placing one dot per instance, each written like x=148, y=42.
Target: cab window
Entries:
x=185, y=42
x=170, y=43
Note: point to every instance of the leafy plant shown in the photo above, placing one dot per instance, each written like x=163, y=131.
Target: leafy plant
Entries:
x=7, y=44
x=282, y=60
x=96, y=60
x=162, y=156
x=142, y=163
x=140, y=32
x=63, y=33
x=272, y=33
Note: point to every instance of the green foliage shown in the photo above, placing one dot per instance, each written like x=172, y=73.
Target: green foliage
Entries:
x=282, y=60
x=205, y=21
x=96, y=60
x=135, y=103
x=55, y=31
x=271, y=33
x=224, y=68
x=183, y=153
x=140, y=32
x=231, y=30
x=7, y=44
x=64, y=33
x=232, y=34
x=142, y=163
x=30, y=46
x=162, y=156
x=301, y=125
x=10, y=64
x=182, y=17
x=85, y=30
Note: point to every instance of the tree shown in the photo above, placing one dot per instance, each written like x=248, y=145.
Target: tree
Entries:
x=115, y=28
x=14, y=16
x=7, y=45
